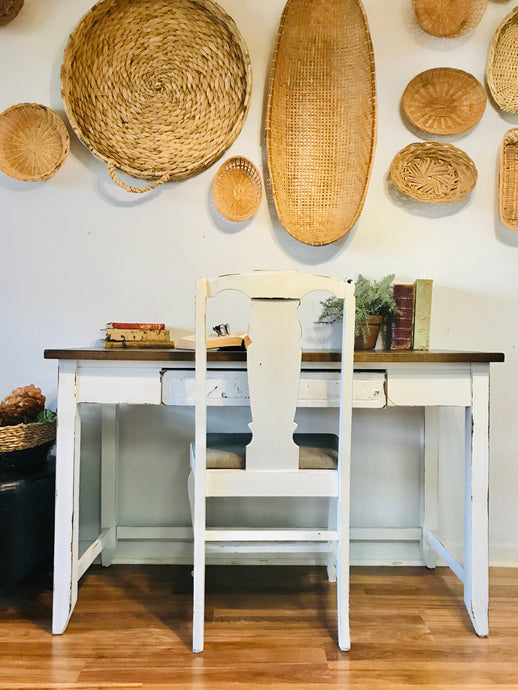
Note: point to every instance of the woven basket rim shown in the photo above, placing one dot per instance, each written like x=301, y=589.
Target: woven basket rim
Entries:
x=501, y=97
x=470, y=21
x=152, y=171
x=60, y=129
x=220, y=189
x=19, y=436
x=8, y=11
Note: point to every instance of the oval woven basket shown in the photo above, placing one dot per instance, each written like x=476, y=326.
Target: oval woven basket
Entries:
x=9, y=9
x=34, y=142
x=156, y=88
x=449, y=18
x=508, y=182
x=237, y=189
x=444, y=101
x=502, y=63
x=321, y=118
x=433, y=172
x=23, y=436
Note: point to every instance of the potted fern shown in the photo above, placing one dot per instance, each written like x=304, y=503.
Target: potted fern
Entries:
x=374, y=304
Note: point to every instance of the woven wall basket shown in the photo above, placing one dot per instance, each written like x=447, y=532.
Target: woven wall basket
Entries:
x=34, y=142
x=449, y=18
x=508, y=183
x=157, y=88
x=434, y=173
x=321, y=118
x=444, y=101
x=237, y=189
x=8, y=10
x=502, y=64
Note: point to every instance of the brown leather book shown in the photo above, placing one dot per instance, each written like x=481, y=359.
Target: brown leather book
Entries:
x=402, y=330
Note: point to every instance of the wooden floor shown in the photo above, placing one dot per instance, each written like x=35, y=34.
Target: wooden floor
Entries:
x=266, y=627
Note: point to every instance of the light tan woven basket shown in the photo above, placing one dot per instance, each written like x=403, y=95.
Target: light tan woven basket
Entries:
x=449, y=18
x=21, y=436
x=34, y=142
x=508, y=183
x=444, y=101
x=156, y=88
x=237, y=189
x=502, y=63
x=433, y=172
x=321, y=118
x=9, y=9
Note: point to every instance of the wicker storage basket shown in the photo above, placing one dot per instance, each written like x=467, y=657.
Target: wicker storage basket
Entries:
x=34, y=142
x=434, y=173
x=508, y=183
x=25, y=445
x=449, y=18
x=8, y=10
x=502, y=63
x=157, y=88
x=237, y=189
x=444, y=101
x=321, y=118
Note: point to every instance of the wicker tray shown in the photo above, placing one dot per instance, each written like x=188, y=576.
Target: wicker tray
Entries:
x=9, y=10
x=156, y=88
x=237, y=189
x=502, y=63
x=508, y=184
x=449, y=18
x=34, y=142
x=434, y=173
x=444, y=101
x=321, y=118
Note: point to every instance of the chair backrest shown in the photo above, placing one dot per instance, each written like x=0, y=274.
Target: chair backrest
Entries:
x=273, y=358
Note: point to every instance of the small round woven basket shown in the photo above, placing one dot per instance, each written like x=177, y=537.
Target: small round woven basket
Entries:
x=433, y=172
x=158, y=89
x=34, y=142
x=449, y=18
x=502, y=63
x=444, y=101
x=237, y=189
x=25, y=445
x=9, y=10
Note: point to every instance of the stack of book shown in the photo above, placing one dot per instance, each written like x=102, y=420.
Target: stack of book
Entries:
x=135, y=334
x=410, y=329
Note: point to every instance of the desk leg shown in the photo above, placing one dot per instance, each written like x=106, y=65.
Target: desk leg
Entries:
x=430, y=484
x=109, y=464
x=476, y=558
x=66, y=532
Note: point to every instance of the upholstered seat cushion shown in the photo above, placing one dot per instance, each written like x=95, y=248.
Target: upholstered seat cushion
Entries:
x=317, y=451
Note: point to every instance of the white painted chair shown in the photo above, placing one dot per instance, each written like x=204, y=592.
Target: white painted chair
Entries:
x=272, y=461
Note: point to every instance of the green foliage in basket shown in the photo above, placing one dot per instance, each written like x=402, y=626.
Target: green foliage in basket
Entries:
x=373, y=298
x=46, y=416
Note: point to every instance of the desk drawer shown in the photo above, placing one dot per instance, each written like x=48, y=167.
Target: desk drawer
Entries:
x=317, y=388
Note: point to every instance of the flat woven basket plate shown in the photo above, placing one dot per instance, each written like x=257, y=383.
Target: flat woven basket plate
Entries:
x=321, y=118
x=237, y=189
x=34, y=142
x=508, y=183
x=444, y=101
x=449, y=18
x=157, y=88
x=502, y=63
x=434, y=173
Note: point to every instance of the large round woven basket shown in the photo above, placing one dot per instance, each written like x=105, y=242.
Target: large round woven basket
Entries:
x=9, y=10
x=502, y=63
x=25, y=445
x=449, y=18
x=433, y=172
x=156, y=88
x=34, y=142
x=237, y=189
x=444, y=101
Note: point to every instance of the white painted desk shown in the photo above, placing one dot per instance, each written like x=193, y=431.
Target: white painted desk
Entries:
x=156, y=377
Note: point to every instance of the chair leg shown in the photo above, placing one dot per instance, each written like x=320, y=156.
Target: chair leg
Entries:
x=342, y=595
x=331, y=555
x=197, y=502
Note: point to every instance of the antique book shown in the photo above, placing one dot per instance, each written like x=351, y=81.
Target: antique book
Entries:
x=121, y=344
x=231, y=340
x=402, y=330
x=422, y=313
x=137, y=334
x=136, y=325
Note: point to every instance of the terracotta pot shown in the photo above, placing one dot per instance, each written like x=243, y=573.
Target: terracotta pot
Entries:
x=369, y=334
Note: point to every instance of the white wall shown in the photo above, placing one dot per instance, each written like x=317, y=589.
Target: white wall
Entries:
x=77, y=251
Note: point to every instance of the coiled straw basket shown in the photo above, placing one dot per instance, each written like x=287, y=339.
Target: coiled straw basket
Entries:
x=156, y=88
x=9, y=10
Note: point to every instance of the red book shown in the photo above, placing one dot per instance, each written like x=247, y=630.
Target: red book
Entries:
x=136, y=325
x=403, y=323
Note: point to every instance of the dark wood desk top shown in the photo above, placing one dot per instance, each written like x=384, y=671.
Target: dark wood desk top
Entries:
x=370, y=356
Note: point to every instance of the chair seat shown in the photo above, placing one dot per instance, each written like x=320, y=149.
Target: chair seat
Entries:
x=227, y=451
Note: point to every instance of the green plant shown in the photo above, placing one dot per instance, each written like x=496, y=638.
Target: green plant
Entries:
x=373, y=298
x=46, y=416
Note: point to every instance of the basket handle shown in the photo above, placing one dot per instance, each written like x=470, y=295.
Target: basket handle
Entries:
x=135, y=190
